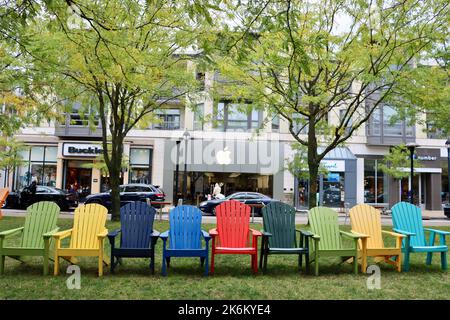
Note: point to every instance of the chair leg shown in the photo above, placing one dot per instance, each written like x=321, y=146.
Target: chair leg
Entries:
x=212, y=262
x=112, y=264
x=261, y=253
x=152, y=263
x=164, y=267
x=429, y=258
x=100, y=265
x=255, y=263
x=406, y=262
x=444, y=260
x=307, y=263
x=206, y=264
x=398, y=261
x=266, y=256
x=56, y=265
x=2, y=264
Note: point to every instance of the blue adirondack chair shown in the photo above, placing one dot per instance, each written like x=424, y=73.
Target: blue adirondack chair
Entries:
x=137, y=237
x=407, y=220
x=185, y=235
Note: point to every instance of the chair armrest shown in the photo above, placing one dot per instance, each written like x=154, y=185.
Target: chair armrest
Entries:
x=406, y=233
x=114, y=233
x=164, y=235
x=206, y=235
x=353, y=235
x=255, y=233
x=102, y=234
x=265, y=233
x=394, y=234
x=62, y=234
x=305, y=233
x=213, y=232
x=442, y=232
x=155, y=233
x=10, y=232
x=50, y=233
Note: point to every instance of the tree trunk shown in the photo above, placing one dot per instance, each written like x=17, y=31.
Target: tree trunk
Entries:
x=115, y=170
x=313, y=162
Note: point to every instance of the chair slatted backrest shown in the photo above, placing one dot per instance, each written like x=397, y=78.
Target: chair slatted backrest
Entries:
x=324, y=223
x=185, y=227
x=89, y=221
x=366, y=219
x=279, y=220
x=136, y=219
x=41, y=218
x=408, y=217
x=233, y=224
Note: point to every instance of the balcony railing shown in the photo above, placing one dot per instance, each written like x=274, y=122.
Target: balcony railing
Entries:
x=166, y=125
x=77, y=125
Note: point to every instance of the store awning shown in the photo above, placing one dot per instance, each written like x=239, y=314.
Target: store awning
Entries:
x=341, y=153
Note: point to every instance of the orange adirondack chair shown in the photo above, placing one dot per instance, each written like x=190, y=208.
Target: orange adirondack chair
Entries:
x=3, y=195
x=233, y=234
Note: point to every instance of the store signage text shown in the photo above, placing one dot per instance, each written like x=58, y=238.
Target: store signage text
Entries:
x=81, y=150
x=333, y=165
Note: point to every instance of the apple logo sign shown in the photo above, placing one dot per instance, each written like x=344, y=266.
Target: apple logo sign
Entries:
x=223, y=156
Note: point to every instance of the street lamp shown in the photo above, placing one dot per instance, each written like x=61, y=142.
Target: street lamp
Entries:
x=411, y=146
x=447, y=144
x=186, y=137
x=177, y=171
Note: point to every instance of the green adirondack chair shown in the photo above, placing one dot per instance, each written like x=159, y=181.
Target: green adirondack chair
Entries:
x=328, y=238
x=280, y=235
x=40, y=224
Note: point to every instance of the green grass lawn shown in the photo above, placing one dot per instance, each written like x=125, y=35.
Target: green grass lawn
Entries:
x=233, y=278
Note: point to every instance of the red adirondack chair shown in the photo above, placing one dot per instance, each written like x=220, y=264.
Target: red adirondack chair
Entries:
x=233, y=234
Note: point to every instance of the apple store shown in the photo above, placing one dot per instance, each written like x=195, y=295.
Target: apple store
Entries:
x=235, y=165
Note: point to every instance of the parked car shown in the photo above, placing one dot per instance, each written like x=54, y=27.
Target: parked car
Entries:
x=447, y=210
x=25, y=198
x=129, y=193
x=244, y=197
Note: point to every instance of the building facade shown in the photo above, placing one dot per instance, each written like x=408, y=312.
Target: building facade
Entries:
x=243, y=151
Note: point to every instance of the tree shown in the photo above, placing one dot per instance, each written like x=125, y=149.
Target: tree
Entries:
x=324, y=66
x=122, y=59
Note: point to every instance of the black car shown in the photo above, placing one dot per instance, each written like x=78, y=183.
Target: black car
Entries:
x=129, y=193
x=447, y=210
x=25, y=198
x=244, y=197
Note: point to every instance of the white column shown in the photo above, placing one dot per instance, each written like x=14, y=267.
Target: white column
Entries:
x=158, y=162
x=359, y=180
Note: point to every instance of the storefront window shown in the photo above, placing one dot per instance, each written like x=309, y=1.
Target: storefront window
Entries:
x=333, y=189
x=40, y=166
x=374, y=182
x=140, y=165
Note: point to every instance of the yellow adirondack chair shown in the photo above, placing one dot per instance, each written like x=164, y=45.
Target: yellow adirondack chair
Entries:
x=366, y=219
x=86, y=237
x=3, y=195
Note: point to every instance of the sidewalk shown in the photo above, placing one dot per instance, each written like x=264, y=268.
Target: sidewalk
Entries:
x=431, y=218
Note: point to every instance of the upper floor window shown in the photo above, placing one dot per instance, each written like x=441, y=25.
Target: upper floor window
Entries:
x=383, y=122
x=233, y=116
x=83, y=117
x=276, y=123
x=169, y=119
x=198, y=116
x=299, y=123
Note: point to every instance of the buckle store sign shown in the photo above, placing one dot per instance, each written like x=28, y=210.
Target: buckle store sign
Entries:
x=81, y=150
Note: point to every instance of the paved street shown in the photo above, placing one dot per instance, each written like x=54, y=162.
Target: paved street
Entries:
x=435, y=218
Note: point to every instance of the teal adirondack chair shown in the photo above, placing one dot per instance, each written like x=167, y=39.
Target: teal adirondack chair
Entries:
x=407, y=220
x=280, y=235
x=40, y=224
x=328, y=238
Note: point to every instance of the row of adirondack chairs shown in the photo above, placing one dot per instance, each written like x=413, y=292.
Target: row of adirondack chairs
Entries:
x=233, y=235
